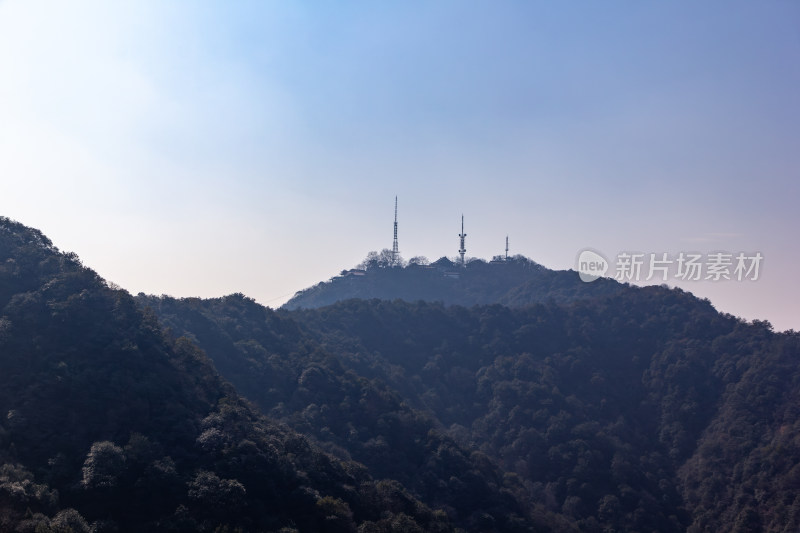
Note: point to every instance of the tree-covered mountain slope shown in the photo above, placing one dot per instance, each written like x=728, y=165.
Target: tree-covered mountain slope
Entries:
x=294, y=377
x=108, y=424
x=517, y=281
x=645, y=410
x=637, y=411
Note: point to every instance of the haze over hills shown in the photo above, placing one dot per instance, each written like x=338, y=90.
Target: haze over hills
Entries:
x=208, y=158
x=613, y=408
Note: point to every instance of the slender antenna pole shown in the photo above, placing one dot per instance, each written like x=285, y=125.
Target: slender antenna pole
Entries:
x=462, y=250
x=395, y=250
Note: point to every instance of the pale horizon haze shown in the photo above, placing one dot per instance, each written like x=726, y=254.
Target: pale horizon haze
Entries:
x=205, y=148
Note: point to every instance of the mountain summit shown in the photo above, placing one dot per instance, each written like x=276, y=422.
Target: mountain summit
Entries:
x=516, y=282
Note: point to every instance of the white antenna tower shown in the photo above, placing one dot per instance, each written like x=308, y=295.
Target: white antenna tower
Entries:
x=506, y=247
x=462, y=236
x=395, y=250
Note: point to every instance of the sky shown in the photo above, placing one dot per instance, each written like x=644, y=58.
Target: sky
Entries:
x=205, y=148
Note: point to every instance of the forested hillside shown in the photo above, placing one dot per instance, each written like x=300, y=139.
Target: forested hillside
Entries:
x=628, y=409
x=646, y=410
x=109, y=425
x=320, y=392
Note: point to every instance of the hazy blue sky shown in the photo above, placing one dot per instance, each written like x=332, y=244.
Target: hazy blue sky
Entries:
x=204, y=148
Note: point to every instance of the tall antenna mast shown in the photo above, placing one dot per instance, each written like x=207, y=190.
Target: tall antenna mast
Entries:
x=462, y=236
x=506, y=247
x=395, y=250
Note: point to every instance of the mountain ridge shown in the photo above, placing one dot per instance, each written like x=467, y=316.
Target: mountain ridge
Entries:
x=109, y=424
x=516, y=281
x=635, y=409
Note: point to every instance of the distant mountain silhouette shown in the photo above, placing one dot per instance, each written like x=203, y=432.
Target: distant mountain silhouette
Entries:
x=516, y=282
x=109, y=425
x=604, y=407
